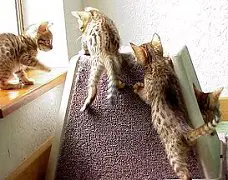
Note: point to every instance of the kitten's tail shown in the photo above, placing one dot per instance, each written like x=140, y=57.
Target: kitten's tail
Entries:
x=112, y=67
x=205, y=129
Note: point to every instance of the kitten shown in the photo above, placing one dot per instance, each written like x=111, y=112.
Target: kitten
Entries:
x=19, y=52
x=100, y=39
x=208, y=103
x=169, y=116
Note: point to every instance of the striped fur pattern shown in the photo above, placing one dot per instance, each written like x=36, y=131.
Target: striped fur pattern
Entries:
x=100, y=39
x=161, y=89
x=19, y=52
x=209, y=106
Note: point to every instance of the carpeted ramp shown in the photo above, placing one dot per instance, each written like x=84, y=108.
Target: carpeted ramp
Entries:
x=112, y=142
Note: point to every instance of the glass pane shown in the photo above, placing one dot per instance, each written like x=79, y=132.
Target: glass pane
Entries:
x=51, y=10
x=8, y=16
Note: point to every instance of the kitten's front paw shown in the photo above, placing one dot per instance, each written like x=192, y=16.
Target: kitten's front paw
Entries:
x=47, y=69
x=138, y=86
x=83, y=52
x=28, y=83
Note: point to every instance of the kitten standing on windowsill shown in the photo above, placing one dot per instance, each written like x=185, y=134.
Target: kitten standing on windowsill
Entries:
x=19, y=52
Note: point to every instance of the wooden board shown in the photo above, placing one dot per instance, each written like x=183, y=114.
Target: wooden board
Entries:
x=11, y=100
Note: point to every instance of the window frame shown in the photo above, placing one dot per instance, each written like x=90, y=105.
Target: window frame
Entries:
x=20, y=16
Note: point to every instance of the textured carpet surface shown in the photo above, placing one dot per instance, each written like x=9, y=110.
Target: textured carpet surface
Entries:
x=113, y=142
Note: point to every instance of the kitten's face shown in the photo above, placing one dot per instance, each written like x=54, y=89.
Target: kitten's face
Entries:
x=44, y=37
x=208, y=103
x=83, y=19
x=148, y=51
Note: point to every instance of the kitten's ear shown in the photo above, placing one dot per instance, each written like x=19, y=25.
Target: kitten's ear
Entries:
x=157, y=46
x=217, y=93
x=80, y=14
x=77, y=14
x=91, y=9
x=50, y=24
x=139, y=53
x=43, y=27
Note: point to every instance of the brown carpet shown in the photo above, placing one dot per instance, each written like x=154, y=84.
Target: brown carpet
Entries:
x=113, y=142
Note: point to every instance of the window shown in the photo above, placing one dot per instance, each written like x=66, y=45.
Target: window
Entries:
x=49, y=10
x=8, y=17
x=30, y=12
x=15, y=16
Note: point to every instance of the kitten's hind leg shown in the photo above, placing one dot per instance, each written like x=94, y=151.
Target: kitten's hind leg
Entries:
x=7, y=86
x=96, y=71
x=23, y=78
x=4, y=85
x=117, y=70
x=5, y=76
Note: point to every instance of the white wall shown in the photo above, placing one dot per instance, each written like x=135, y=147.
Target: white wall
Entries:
x=71, y=25
x=24, y=130
x=200, y=24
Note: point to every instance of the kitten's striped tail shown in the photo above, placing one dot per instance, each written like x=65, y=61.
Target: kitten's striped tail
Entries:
x=112, y=76
x=205, y=129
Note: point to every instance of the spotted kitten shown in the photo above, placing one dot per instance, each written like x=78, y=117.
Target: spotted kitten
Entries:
x=208, y=103
x=161, y=89
x=19, y=52
x=100, y=39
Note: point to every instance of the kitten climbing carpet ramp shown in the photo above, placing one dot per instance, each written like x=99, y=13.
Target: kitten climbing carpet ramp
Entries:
x=115, y=141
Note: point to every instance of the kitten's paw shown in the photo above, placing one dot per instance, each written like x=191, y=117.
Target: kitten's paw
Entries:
x=120, y=84
x=83, y=52
x=11, y=86
x=45, y=69
x=18, y=86
x=28, y=83
x=48, y=69
x=84, y=107
x=137, y=86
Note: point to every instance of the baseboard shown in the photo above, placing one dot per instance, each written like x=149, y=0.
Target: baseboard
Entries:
x=34, y=167
x=224, y=108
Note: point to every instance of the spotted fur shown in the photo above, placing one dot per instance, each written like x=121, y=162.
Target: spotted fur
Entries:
x=161, y=89
x=100, y=39
x=19, y=52
x=208, y=103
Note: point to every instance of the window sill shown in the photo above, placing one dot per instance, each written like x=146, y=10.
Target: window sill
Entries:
x=224, y=108
x=11, y=100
